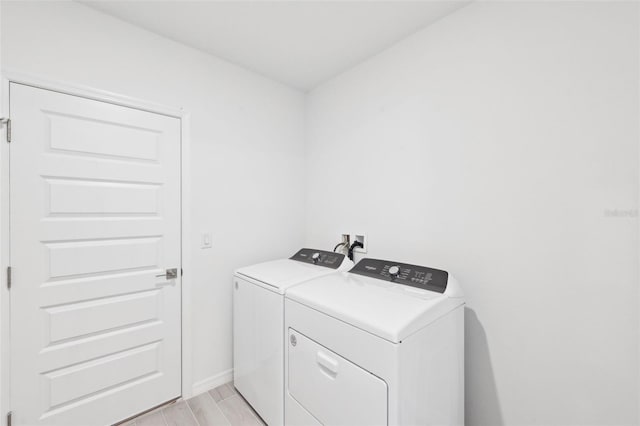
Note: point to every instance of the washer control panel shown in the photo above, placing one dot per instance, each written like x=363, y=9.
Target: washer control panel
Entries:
x=403, y=273
x=328, y=259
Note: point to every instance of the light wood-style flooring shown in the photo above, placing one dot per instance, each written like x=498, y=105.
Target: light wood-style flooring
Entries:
x=221, y=406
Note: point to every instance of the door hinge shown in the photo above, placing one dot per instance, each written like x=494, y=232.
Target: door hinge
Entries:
x=9, y=277
x=7, y=122
x=181, y=272
x=9, y=418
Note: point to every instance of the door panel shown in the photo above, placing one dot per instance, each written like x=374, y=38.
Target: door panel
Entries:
x=95, y=217
x=72, y=197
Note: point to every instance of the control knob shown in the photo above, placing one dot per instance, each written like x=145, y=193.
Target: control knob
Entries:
x=394, y=271
x=315, y=257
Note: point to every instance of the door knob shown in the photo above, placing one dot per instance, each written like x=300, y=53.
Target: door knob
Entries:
x=170, y=274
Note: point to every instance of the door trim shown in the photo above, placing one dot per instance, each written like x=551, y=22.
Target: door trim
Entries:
x=10, y=76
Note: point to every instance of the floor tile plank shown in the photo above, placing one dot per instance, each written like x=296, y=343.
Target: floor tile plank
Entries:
x=206, y=411
x=153, y=418
x=179, y=414
x=231, y=388
x=238, y=412
x=222, y=392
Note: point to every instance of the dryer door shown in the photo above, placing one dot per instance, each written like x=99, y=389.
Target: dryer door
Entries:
x=334, y=390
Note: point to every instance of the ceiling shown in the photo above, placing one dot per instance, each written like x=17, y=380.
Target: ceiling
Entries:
x=299, y=43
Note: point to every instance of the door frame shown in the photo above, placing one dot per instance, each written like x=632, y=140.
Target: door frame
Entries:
x=8, y=77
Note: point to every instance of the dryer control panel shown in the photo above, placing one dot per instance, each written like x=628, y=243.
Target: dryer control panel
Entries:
x=403, y=273
x=328, y=259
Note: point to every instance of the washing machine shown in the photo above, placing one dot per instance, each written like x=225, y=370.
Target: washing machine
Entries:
x=382, y=344
x=258, y=324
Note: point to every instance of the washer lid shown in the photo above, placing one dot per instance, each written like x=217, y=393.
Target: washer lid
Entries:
x=389, y=310
x=283, y=273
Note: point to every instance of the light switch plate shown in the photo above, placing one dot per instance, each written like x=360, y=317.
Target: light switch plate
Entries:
x=206, y=240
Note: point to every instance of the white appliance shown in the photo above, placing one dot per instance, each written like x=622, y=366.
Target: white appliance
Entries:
x=380, y=344
x=258, y=325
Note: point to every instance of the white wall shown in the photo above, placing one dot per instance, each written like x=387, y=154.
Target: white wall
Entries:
x=492, y=144
x=247, y=149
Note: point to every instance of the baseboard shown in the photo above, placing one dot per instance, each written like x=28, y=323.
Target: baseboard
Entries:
x=211, y=382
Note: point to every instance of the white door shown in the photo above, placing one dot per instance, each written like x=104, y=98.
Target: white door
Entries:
x=95, y=218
